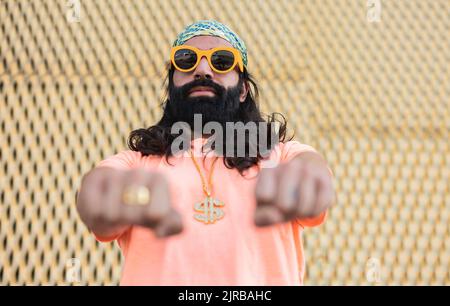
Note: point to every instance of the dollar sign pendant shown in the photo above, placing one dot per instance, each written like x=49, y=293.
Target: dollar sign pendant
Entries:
x=210, y=210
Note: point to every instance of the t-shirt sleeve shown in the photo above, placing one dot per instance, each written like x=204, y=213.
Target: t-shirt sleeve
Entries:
x=291, y=149
x=287, y=152
x=123, y=160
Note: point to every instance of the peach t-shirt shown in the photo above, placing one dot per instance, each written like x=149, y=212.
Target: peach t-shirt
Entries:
x=231, y=251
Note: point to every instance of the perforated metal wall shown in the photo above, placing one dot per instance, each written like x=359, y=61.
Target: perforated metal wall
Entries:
x=373, y=97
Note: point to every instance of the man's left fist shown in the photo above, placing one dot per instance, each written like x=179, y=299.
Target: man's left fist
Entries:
x=301, y=188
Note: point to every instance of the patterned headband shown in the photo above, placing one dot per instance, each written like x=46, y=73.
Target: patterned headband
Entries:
x=212, y=28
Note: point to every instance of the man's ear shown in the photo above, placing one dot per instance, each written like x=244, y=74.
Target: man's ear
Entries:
x=244, y=92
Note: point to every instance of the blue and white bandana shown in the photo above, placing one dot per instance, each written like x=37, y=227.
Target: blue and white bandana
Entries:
x=212, y=28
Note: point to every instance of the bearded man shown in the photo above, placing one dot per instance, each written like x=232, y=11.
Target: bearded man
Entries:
x=223, y=216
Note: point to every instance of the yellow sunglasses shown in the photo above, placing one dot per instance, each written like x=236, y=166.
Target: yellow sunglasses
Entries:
x=221, y=59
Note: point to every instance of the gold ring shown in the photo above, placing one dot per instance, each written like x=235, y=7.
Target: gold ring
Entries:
x=136, y=195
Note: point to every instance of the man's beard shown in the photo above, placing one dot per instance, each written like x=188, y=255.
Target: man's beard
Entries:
x=222, y=107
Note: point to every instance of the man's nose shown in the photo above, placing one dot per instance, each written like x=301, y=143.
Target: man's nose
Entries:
x=203, y=70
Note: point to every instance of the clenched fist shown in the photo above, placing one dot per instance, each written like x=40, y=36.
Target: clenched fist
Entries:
x=300, y=188
x=101, y=207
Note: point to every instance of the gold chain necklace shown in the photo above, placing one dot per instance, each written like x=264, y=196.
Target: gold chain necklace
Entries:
x=209, y=210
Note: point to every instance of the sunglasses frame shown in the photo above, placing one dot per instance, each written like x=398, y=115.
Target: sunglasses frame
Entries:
x=208, y=53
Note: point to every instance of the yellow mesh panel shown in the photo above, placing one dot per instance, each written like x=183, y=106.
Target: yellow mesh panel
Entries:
x=373, y=97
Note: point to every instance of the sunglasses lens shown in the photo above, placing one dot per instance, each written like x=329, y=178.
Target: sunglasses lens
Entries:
x=222, y=60
x=185, y=58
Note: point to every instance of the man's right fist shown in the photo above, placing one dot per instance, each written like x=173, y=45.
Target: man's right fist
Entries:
x=101, y=207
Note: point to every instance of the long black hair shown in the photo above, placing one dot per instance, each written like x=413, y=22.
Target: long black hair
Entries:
x=157, y=139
